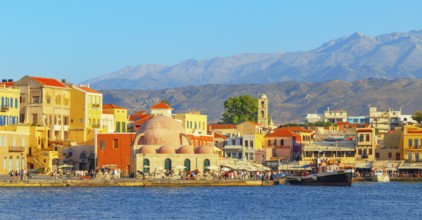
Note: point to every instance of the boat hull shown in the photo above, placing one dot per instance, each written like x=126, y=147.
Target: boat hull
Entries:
x=335, y=178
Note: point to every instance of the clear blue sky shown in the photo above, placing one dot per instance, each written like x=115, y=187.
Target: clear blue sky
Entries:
x=79, y=40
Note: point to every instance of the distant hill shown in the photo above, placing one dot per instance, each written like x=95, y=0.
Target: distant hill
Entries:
x=350, y=58
x=288, y=101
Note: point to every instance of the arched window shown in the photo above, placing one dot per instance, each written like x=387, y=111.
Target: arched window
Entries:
x=207, y=163
x=18, y=167
x=10, y=163
x=4, y=163
x=262, y=104
x=23, y=162
x=146, y=166
x=167, y=164
x=187, y=165
x=262, y=114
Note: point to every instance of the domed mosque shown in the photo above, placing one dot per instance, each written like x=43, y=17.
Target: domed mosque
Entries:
x=161, y=143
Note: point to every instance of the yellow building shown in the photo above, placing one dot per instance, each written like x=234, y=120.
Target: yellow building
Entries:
x=45, y=102
x=9, y=113
x=120, y=117
x=250, y=127
x=13, y=147
x=85, y=114
x=389, y=147
x=365, y=144
x=193, y=122
x=412, y=143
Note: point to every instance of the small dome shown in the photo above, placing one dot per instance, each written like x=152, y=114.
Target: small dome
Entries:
x=162, y=130
x=204, y=150
x=186, y=149
x=166, y=150
x=147, y=150
x=263, y=96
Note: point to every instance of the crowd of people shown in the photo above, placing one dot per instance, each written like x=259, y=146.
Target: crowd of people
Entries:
x=19, y=174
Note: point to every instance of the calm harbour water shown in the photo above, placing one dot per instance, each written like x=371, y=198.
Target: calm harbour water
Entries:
x=395, y=200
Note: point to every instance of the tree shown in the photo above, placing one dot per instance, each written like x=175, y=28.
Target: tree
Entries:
x=417, y=116
x=165, y=101
x=240, y=109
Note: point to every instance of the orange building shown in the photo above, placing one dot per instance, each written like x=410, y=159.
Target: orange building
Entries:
x=116, y=149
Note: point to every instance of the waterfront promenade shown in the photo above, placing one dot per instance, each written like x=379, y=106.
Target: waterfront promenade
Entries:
x=47, y=181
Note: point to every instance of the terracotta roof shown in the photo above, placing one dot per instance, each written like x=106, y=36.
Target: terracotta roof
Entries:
x=221, y=126
x=282, y=132
x=112, y=106
x=254, y=123
x=48, y=82
x=218, y=135
x=6, y=84
x=107, y=112
x=298, y=128
x=161, y=105
x=87, y=89
x=143, y=120
x=138, y=116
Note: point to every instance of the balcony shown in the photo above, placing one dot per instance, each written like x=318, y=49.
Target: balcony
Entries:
x=5, y=108
x=16, y=149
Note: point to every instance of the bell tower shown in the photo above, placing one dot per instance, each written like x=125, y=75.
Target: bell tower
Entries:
x=263, y=110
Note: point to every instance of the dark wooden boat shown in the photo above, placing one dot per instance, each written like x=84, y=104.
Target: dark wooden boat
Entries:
x=333, y=178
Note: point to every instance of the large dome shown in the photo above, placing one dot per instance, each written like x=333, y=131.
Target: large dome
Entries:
x=162, y=130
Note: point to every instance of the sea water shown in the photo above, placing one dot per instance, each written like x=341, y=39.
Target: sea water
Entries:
x=366, y=200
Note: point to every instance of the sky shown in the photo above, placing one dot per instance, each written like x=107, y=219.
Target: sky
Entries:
x=79, y=40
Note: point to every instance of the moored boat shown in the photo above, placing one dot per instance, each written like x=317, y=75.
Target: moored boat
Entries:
x=332, y=178
x=380, y=176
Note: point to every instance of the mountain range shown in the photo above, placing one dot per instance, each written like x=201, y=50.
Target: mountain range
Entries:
x=350, y=58
x=289, y=102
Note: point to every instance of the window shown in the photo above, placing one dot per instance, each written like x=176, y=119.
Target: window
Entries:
x=282, y=142
x=35, y=99
x=269, y=142
x=207, y=163
x=397, y=156
x=146, y=166
x=367, y=137
x=187, y=165
x=115, y=143
x=410, y=142
x=16, y=103
x=167, y=164
x=252, y=144
x=246, y=143
x=117, y=126
x=123, y=126
x=361, y=138
x=390, y=155
x=409, y=156
x=275, y=142
x=360, y=151
x=377, y=155
x=370, y=151
x=102, y=145
x=416, y=143
x=416, y=157
x=35, y=118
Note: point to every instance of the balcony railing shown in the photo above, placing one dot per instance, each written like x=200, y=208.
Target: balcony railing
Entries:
x=16, y=149
x=5, y=108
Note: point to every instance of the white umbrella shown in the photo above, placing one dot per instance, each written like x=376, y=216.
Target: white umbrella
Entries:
x=179, y=167
x=159, y=168
x=225, y=169
x=211, y=167
x=65, y=166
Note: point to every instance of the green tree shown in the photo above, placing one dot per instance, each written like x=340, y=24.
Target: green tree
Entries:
x=165, y=101
x=240, y=109
x=417, y=116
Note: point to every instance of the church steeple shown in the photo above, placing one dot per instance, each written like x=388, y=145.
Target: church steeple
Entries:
x=263, y=110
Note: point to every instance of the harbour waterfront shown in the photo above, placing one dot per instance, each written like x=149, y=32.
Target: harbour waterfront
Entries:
x=364, y=200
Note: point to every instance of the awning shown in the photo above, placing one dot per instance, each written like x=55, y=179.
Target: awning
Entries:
x=410, y=166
